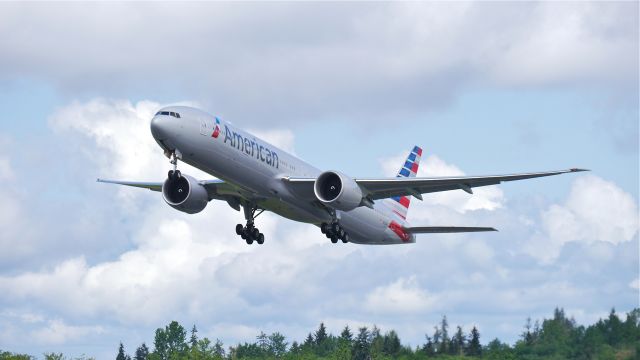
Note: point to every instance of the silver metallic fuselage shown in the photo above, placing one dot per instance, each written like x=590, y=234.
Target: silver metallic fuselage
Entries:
x=257, y=168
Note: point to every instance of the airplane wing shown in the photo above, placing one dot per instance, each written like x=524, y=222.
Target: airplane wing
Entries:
x=383, y=188
x=217, y=189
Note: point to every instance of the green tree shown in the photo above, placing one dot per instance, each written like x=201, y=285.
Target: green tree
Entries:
x=193, y=340
x=121, y=354
x=142, y=352
x=361, y=345
x=457, y=342
x=277, y=345
x=474, y=348
x=443, y=346
x=346, y=335
x=391, y=344
x=429, y=349
x=170, y=341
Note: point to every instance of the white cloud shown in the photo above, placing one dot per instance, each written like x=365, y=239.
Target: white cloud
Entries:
x=58, y=332
x=342, y=58
x=635, y=284
x=595, y=210
x=403, y=296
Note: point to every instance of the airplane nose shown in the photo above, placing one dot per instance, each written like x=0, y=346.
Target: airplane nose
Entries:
x=159, y=127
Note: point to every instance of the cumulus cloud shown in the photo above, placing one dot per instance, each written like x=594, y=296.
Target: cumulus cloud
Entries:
x=403, y=296
x=595, y=210
x=341, y=59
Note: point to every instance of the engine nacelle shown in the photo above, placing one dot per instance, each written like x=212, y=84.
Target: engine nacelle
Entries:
x=338, y=191
x=184, y=193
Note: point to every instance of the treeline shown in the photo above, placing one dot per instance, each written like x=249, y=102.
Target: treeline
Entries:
x=556, y=338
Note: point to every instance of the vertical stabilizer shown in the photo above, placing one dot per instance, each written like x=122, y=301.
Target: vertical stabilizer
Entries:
x=400, y=204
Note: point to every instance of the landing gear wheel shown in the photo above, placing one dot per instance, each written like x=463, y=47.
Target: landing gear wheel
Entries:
x=324, y=227
x=239, y=229
x=341, y=233
x=249, y=241
x=345, y=239
x=260, y=238
x=255, y=233
x=335, y=227
x=334, y=239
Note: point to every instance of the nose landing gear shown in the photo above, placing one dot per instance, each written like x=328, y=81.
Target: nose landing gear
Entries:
x=249, y=232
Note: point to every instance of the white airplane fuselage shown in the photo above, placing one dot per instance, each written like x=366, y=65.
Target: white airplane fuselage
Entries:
x=256, y=167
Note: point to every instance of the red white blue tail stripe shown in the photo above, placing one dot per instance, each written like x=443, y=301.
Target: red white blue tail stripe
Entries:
x=400, y=204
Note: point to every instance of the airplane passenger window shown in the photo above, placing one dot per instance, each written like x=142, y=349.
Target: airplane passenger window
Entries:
x=172, y=114
x=178, y=115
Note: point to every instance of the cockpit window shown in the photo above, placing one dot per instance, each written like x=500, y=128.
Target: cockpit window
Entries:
x=169, y=113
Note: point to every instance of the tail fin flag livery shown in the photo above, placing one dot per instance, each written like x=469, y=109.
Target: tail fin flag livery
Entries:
x=400, y=204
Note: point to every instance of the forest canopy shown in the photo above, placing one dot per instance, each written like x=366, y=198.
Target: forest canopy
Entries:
x=558, y=337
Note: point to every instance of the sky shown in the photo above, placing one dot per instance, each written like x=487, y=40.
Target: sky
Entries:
x=483, y=88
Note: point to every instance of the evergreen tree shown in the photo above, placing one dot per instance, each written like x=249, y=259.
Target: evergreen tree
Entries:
x=121, y=355
x=218, y=349
x=376, y=342
x=361, y=345
x=346, y=335
x=321, y=335
x=295, y=348
x=277, y=345
x=428, y=348
x=474, y=348
x=444, y=336
x=193, y=341
x=457, y=342
x=263, y=342
x=391, y=344
x=142, y=352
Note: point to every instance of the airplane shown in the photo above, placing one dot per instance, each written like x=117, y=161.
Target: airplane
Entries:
x=257, y=176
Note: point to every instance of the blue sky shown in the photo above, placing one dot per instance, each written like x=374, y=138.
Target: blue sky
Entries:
x=483, y=88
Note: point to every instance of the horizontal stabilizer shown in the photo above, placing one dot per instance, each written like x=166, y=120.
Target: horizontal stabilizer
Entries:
x=445, y=229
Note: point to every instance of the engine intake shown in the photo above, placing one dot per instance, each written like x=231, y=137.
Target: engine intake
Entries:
x=337, y=191
x=184, y=193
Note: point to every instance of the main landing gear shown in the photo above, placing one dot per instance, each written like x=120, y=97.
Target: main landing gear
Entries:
x=334, y=230
x=249, y=232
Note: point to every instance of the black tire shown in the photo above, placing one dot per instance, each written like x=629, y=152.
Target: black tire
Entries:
x=249, y=241
x=334, y=239
x=261, y=238
x=323, y=228
x=255, y=233
x=345, y=239
x=239, y=229
x=341, y=233
x=244, y=234
x=335, y=227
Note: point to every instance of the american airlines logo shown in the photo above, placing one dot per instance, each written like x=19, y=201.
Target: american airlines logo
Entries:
x=248, y=146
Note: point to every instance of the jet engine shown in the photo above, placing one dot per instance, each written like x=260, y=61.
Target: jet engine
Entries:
x=184, y=193
x=338, y=191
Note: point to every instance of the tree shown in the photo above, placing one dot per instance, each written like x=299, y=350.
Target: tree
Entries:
x=457, y=342
x=193, y=341
x=321, y=334
x=121, y=355
x=346, y=335
x=263, y=342
x=361, y=346
x=142, y=352
x=428, y=348
x=277, y=345
x=474, y=348
x=391, y=344
x=170, y=341
x=444, y=336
